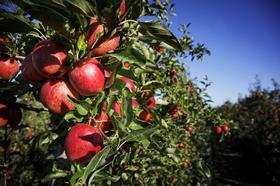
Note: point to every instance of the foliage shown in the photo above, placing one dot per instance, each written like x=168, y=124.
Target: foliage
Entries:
x=254, y=148
x=135, y=152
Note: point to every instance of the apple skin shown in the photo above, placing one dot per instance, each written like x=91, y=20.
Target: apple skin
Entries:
x=48, y=58
x=226, y=128
x=9, y=67
x=219, y=130
x=28, y=71
x=87, y=77
x=95, y=29
x=117, y=108
x=107, y=45
x=190, y=129
x=135, y=104
x=181, y=145
x=151, y=103
x=4, y=115
x=129, y=83
x=173, y=71
x=54, y=93
x=83, y=142
x=122, y=8
x=103, y=120
x=145, y=116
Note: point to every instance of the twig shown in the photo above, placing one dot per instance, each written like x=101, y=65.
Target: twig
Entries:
x=31, y=108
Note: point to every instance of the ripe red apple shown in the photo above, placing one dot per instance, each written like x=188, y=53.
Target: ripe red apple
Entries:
x=173, y=71
x=174, y=180
x=48, y=58
x=28, y=71
x=174, y=111
x=126, y=65
x=83, y=142
x=15, y=116
x=159, y=49
x=190, y=129
x=219, y=130
x=106, y=45
x=135, y=103
x=87, y=77
x=117, y=108
x=94, y=32
x=9, y=67
x=187, y=164
x=103, y=120
x=129, y=83
x=181, y=145
x=107, y=73
x=145, y=116
x=4, y=114
x=151, y=103
x=54, y=93
x=225, y=128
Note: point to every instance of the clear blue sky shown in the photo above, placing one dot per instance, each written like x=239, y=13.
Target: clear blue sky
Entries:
x=243, y=37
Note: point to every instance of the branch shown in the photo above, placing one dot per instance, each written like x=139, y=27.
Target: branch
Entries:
x=26, y=107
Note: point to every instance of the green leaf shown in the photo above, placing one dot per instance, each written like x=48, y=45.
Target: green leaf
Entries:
x=80, y=6
x=152, y=85
x=96, y=162
x=153, y=30
x=141, y=134
x=129, y=54
x=11, y=23
x=54, y=175
x=81, y=44
x=82, y=109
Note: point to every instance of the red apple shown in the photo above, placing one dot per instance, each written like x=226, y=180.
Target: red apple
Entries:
x=181, y=145
x=190, y=129
x=117, y=108
x=87, y=77
x=54, y=94
x=103, y=120
x=94, y=32
x=151, y=103
x=219, y=130
x=4, y=114
x=173, y=71
x=159, y=49
x=28, y=71
x=107, y=73
x=83, y=142
x=145, y=115
x=135, y=103
x=225, y=128
x=174, y=180
x=126, y=65
x=48, y=58
x=9, y=67
x=174, y=111
x=106, y=45
x=187, y=164
x=129, y=83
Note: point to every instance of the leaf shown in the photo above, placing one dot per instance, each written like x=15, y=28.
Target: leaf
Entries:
x=80, y=6
x=159, y=32
x=16, y=24
x=54, y=175
x=96, y=162
x=152, y=85
x=138, y=135
x=129, y=54
x=82, y=109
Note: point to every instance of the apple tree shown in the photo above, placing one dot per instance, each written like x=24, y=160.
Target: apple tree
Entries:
x=96, y=93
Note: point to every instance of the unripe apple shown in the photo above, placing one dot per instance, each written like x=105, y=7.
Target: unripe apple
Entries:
x=145, y=116
x=48, y=58
x=225, y=128
x=129, y=83
x=219, y=130
x=4, y=115
x=87, y=77
x=83, y=142
x=54, y=94
x=28, y=71
x=103, y=121
x=9, y=67
x=181, y=145
x=106, y=45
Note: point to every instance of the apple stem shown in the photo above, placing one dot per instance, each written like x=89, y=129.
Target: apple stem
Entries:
x=98, y=126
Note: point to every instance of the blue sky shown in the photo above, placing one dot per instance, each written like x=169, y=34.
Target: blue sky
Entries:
x=243, y=37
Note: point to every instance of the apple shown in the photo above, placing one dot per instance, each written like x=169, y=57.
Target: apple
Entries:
x=95, y=31
x=187, y=164
x=28, y=71
x=219, y=130
x=159, y=49
x=190, y=129
x=107, y=73
x=126, y=65
x=54, y=94
x=145, y=116
x=87, y=77
x=226, y=128
x=129, y=83
x=151, y=103
x=106, y=45
x=48, y=58
x=181, y=145
x=15, y=115
x=83, y=142
x=9, y=67
x=117, y=108
x=174, y=180
x=174, y=111
x=103, y=120
x=4, y=114
x=173, y=71
x=135, y=103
